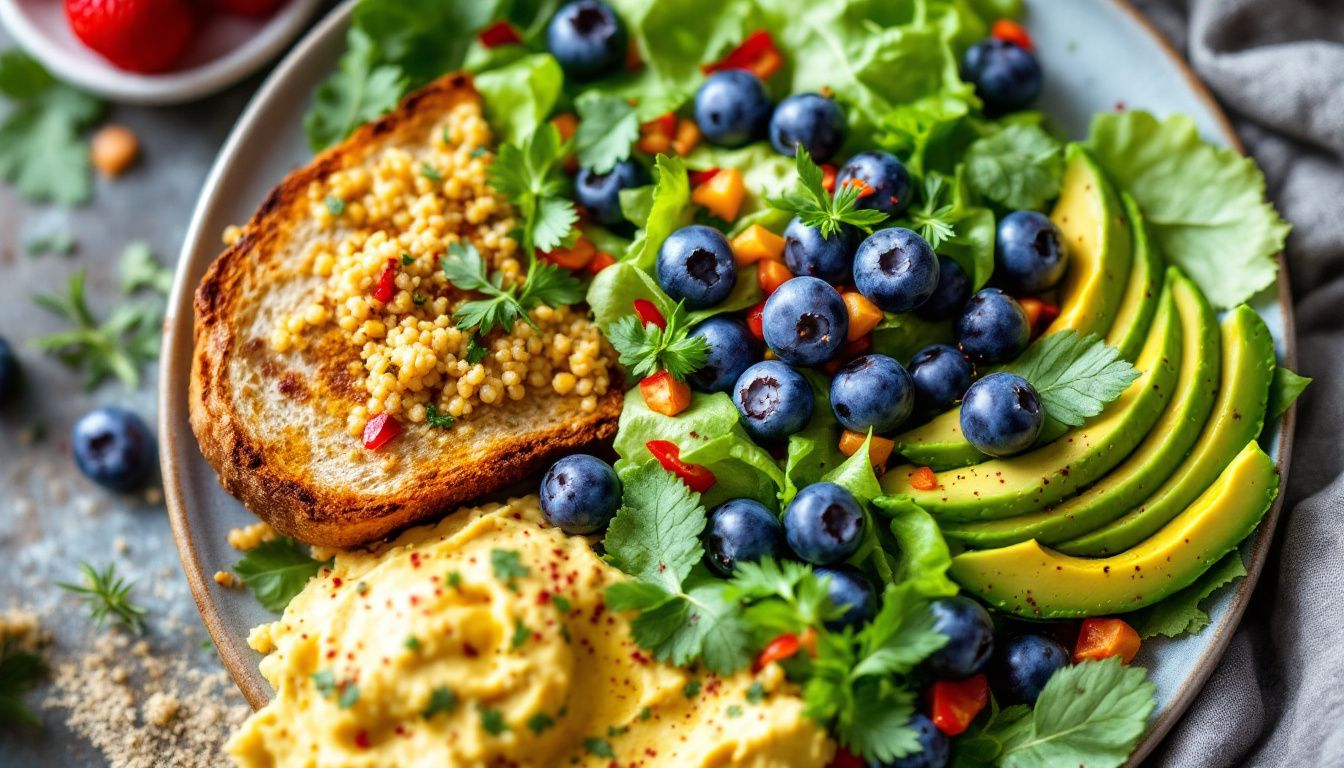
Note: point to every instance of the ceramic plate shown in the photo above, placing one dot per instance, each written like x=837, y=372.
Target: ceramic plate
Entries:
x=1079, y=43
x=227, y=49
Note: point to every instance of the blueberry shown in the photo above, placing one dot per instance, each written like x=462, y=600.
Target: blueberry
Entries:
x=811, y=121
x=828, y=258
x=848, y=588
x=1026, y=664
x=940, y=374
x=872, y=392
x=588, y=39
x=732, y=108
x=741, y=531
x=9, y=373
x=805, y=321
x=732, y=349
x=823, y=524
x=896, y=269
x=1006, y=77
x=696, y=264
x=580, y=494
x=954, y=288
x=114, y=448
x=885, y=176
x=970, y=637
x=600, y=193
x=934, y=747
x=1028, y=254
x=1001, y=414
x=993, y=327
x=774, y=400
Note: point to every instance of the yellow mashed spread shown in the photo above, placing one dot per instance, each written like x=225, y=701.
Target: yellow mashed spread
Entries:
x=484, y=641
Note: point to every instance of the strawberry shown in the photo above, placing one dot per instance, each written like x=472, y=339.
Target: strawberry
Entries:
x=137, y=35
x=253, y=8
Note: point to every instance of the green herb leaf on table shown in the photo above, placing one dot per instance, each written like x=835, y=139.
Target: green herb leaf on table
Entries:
x=108, y=597
x=360, y=90
x=1205, y=204
x=119, y=346
x=20, y=672
x=645, y=348
x=42, y=151
x=61, y=243
x=140, y=269
x=1019, y=167
x=1076, y=376
x=608, y=126
x=531, y=177
x=816, y=207
x=277, y=570
x=1284, y=390
x=1182, y=613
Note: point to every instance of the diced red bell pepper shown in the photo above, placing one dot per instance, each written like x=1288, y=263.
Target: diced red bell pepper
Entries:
x=577, y=257
x=696, y=477
x=633, y=61
x=1012, y=32
x=696, y=178
x=755, y=322
x=955, y=703
x=380, y=429
x=828, y=173
x=648, y=313
x=499, y=34
x=600, y=262
x=783, y=647
x=923, y=479
x=386, y=287
x=1102, y=638
x=656, y=135
x=758, y=54
x=846, y=759
x=664, y=394
x=1039, y=314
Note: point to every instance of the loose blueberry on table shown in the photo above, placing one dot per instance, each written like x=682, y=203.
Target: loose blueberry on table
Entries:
x=114, y=448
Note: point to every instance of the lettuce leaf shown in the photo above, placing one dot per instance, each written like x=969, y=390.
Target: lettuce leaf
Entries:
x=669, y=209
x=901, y=336
x=924, y=557
x=521, y=95
x=814, y=451
x=1205, y=204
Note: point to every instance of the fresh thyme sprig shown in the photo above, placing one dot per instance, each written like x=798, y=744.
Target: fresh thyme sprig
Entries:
x=108, y=597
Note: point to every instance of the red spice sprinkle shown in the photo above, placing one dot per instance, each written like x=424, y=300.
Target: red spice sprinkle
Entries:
x=639, y=658
x=362, y=740
x=543, y=598
x=470, y=650
x=336, y=582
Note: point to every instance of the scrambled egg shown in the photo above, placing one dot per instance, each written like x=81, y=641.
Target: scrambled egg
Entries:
x=484, y=641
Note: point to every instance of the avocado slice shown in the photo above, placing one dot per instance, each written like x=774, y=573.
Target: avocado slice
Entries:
x=1029, y=580
x=1034, y=480
x=1238, y=415
x=1096, y=234
x=1167, y=444
x=1142, y=290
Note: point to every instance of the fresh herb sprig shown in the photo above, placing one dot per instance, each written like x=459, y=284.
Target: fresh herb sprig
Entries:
x=816, y=207
x=1076, y=376
x=504, y=305
x=20, y=671
x=531, y=176
x=645, y=348
x=108, y=597
x=934, y=219
x=42, y=149
x=277, y=570
x=436, y=419
x=119, y=346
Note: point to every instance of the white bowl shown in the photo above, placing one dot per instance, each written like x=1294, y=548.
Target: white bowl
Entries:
x=227, y=49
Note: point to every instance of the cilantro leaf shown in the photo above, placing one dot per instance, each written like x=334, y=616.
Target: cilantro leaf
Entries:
x=41, y=149
x=655, y=535
x=20, y=671
x=531, y=177
x=599, y=748
x=492, y=720
x=540, y=723
x=1090, y=714
x=277, y=570
x=440, y=700
x=503, y=307
x=645, y=348
x=361, y=89
x=1018, y=167
x=507, y=565
x=437, y=420
x=782, y=596
x=1076, y=376
x=140, y=269
x=816, y=207
x=901, y=635
x=1181, y=614
x=1284, y=391
x=119, y=346
x=548, y=284
x=1205, y=204
x=608, y=126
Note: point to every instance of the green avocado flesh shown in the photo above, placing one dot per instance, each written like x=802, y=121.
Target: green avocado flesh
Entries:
x=1032, y=481
x=1139, y=303
x=1096, y=235
x=1238, y=414
x=1029, y=580
x=1166, y=445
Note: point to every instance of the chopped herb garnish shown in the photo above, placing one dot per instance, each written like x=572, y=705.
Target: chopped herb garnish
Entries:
x=430, y=172
x=691, y=689
x=412, y=643
x=933, y=219
x=756, y=693
x=645, y=713
x=599, y=748
x=335, y=205
x=407, y=259
x=492, y=720
x=540, y=722
x=816, y=207
x=349, y=695
x=616, y=730
x=435, y=419
x=476, y=351
x=520, y=634
x=108, y=596
x=324, y=680
x=532, y=177
x=361, y=588
x=478, y=152
x=562, y=604
x=734, y=710
x=440, y=700
x=454, y=579
x=546, y=284
x=507, y=565
x=645, y=348
x=418, y=299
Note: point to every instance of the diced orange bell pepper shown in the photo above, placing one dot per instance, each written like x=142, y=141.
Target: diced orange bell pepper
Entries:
x=923, y=479
x=655, y=136
x=633, y=61
x=574, y=258
x=722, y=194
x=567, y=123
x=600, y=262
x=863, y=314
x=686, y=137
x=755, y=323
x=864, y=189
x=879, y=450
x=664, y=394
x=955, y=703
x=756, y=243
x=1012, y=32
x=771, y=274
x=1039, y=314
x=828, y=173
x=1102, y=638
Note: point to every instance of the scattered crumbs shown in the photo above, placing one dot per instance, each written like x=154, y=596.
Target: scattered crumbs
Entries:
x=232, y=234
x=251, y=536
x=22, y=627
x=153, y=496
x=225, y=579
x=121, y=546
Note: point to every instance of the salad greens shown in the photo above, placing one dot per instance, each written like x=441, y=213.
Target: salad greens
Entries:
x=827, y=212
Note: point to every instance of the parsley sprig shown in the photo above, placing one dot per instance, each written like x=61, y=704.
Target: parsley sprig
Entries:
x=108, y=597
x=20, y=671
x=119, y=346
x=645, y=348
x=504, y=305
x=276, y=571
x=816, y=207
x=1076, y=376
x=532, y=178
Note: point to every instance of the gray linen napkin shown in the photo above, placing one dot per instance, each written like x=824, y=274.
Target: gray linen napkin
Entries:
x=1277, y=698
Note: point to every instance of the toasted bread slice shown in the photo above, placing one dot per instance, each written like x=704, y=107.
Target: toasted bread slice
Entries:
x=275, y=426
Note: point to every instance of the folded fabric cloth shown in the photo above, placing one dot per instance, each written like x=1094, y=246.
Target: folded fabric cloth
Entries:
x=1277, y=697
